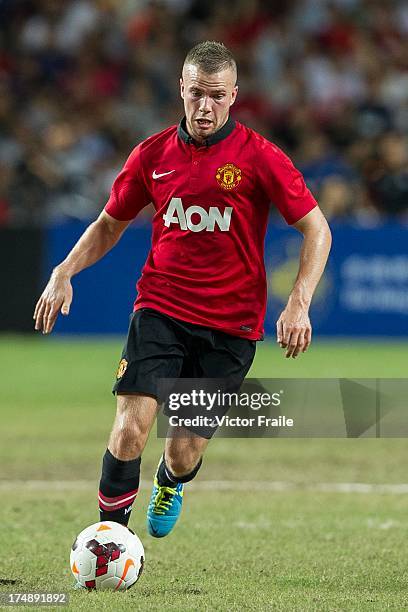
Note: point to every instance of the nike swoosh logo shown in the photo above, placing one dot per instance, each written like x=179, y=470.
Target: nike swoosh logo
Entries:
x=155, y=175
x=154, y=532
x=129, y=563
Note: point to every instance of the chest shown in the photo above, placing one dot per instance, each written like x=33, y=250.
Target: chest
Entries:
x=202, y=175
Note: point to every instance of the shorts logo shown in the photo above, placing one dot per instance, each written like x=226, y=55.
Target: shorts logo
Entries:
x=121, y=369
x=228, y=176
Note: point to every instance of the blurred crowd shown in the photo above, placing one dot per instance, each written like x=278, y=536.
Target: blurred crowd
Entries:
x=83, y=81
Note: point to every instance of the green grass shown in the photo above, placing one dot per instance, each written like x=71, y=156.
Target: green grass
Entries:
x=278, y=552
x=299, y=549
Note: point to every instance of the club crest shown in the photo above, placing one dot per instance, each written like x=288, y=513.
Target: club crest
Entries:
x=121, y=369
x=228, y=176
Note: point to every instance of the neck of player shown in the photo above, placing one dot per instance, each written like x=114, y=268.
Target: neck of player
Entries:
x=201, y=139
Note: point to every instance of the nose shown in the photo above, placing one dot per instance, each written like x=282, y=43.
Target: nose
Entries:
x=205, y=104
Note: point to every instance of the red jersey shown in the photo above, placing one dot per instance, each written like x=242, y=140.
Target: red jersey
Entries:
x=206, y=263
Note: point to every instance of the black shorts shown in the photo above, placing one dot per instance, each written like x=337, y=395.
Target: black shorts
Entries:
x=160, y=347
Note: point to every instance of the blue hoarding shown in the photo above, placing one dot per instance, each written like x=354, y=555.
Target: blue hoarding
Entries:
x=103, y=294
x=364, y=291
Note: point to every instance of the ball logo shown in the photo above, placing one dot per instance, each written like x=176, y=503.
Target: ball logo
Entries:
x=228, y=176
x=129, y=563
x=197, y=218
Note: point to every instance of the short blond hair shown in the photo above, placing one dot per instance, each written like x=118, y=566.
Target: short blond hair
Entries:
x=211, y=56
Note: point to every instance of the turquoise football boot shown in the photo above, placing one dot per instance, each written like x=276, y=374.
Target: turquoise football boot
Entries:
x=164, y=508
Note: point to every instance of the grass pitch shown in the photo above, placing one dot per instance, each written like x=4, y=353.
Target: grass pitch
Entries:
x=236, y=548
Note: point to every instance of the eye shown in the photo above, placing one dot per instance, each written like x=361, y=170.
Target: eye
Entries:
x=218, y=96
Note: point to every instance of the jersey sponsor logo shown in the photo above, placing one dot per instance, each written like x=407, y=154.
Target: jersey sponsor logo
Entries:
x=196, y=218
x=121, y=369
x=156, y=175
x=228, y=176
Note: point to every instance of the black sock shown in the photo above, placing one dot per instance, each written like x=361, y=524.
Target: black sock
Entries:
x=166, y=479
x=118, y=488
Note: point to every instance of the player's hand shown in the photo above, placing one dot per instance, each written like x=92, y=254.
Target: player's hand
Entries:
x=56, y=297
x=294, y=331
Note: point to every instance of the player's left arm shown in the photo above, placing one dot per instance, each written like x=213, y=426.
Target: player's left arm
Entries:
x=294, y=330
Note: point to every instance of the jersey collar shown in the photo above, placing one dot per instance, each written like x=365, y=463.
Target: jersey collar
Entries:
x=225, y=131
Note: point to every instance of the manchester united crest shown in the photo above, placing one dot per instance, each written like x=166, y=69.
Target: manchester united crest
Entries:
x=121, y=369
x=228, y=176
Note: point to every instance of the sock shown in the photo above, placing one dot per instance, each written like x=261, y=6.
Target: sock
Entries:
x=166, y=479
x=118, y=488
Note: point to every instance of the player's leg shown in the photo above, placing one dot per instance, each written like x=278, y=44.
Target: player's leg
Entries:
x=180, y=463
x=120, y=478
x=151, y=352
x=216, y=352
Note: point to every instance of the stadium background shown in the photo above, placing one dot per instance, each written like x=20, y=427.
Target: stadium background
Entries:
x=82, y=82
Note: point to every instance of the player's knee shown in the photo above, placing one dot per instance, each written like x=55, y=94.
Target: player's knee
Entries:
x=128, y=438
x=124, y=448
x=134, y=418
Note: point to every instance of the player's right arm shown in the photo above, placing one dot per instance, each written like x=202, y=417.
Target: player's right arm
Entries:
x=94, y=243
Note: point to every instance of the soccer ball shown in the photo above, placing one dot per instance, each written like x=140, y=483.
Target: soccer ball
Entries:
x=107, y=556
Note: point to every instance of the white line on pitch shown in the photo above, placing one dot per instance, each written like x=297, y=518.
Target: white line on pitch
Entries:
x=215, y=485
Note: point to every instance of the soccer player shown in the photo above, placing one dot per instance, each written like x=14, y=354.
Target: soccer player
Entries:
x=201, y=298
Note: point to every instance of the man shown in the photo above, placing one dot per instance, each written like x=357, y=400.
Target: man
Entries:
x=202, y=294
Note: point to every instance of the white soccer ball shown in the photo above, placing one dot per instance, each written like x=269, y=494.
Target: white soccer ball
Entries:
x=107, y=556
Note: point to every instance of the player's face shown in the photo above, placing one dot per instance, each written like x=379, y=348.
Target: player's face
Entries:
x=207, y=99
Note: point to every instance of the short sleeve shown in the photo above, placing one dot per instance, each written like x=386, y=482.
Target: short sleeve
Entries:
x=283, y=184
x=128, y=194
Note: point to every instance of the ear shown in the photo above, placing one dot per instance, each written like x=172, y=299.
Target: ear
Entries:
x=234, y=95
x=182, y=88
